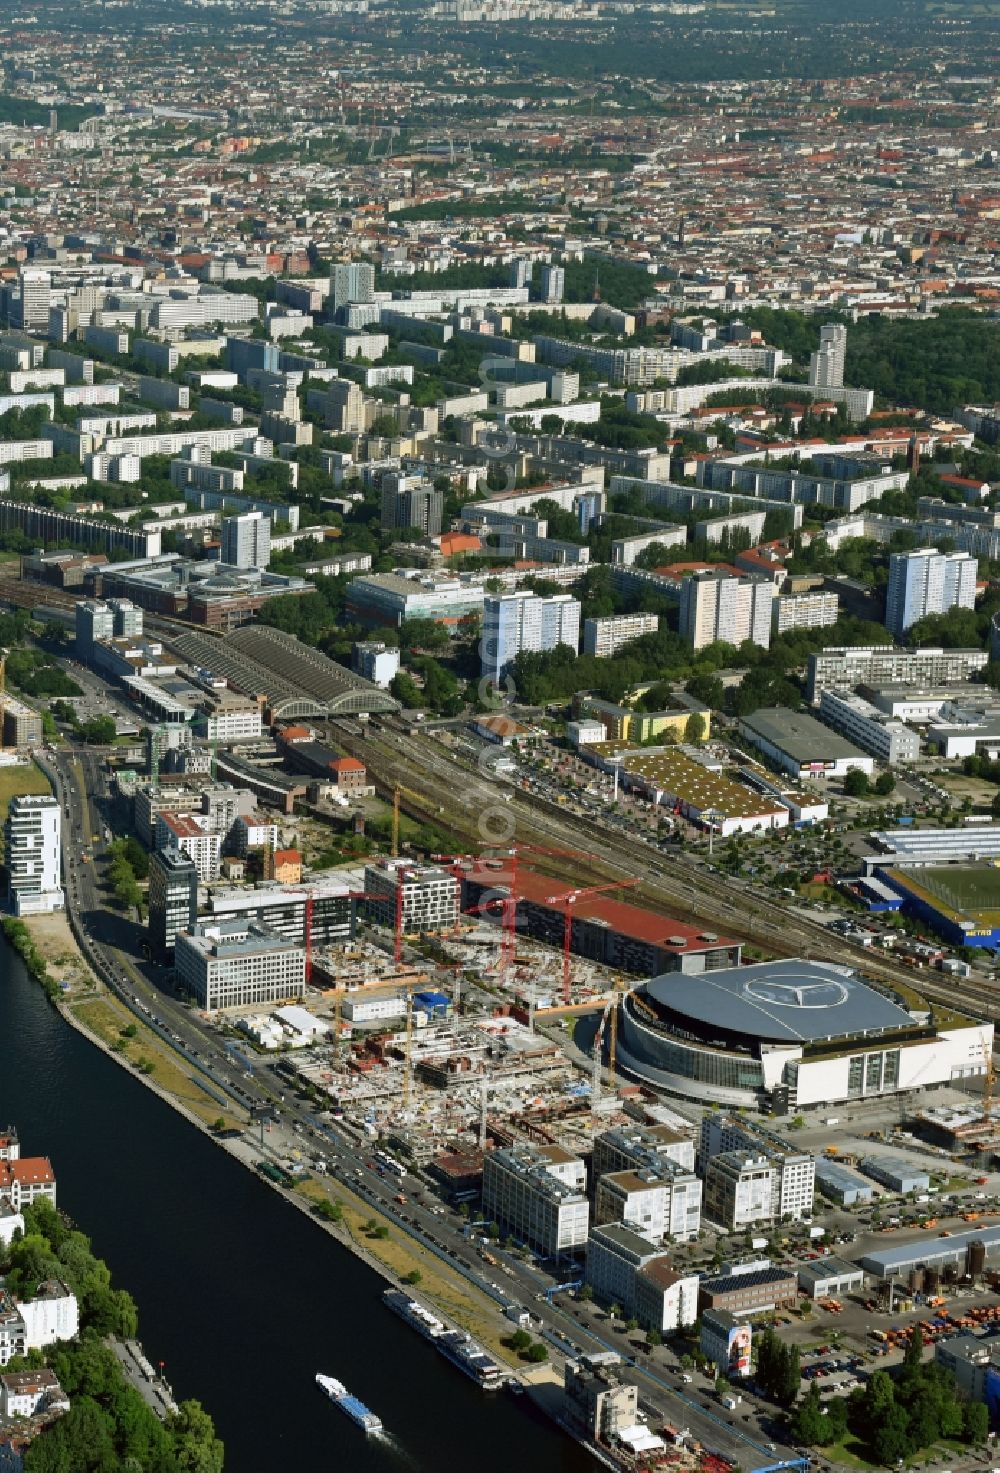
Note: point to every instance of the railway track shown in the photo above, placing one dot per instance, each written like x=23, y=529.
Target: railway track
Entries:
x=454, y=795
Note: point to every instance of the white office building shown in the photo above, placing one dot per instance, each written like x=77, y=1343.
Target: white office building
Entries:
x=794, y=1182
x=740, y=1190
x=513, y=622
x=717, y=606
x=926, y=581
x=861, y=722
x=625, y=1268
x=32, y=839
x=246, y=540
x=538, y=1194
x=236, y=964
x=661, y=1202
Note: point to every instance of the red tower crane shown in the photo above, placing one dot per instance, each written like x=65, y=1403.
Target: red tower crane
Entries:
x=567, y=901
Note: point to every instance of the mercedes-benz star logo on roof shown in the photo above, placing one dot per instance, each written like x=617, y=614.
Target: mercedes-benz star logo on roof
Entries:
x=822, y=993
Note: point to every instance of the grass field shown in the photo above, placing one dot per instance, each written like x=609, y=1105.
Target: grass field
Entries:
x=15, y=782
x=962, y=890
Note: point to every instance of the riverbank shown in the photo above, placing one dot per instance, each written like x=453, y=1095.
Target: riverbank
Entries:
x=94, y=1012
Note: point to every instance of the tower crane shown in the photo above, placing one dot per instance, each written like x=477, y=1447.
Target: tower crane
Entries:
x=568, y=901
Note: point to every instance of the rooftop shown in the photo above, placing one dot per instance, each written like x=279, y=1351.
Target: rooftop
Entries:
x=783, y=1001
x=800, y=735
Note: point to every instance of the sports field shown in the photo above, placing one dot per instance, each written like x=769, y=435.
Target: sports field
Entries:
x=970, y=891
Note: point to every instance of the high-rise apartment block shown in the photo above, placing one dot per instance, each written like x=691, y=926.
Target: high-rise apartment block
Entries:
x=826, y=367
x=717, y=606
x=173, y=899
x=352, y=281
x=32, y=847
x=246, y=540
x=345, y=408
x=513, y=622
x=602, y=637
x=927, y=581
x=553, y=283
x=411, y=502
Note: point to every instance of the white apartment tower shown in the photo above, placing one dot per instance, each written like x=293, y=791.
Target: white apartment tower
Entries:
x=32, y=838
x=717, y=606
x=927, y=581
x=246, y=540
x=513, y=622
x=826, y=367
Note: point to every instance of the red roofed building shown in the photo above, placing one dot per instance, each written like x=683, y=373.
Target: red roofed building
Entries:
x=612, y=932
x=25, y=1181
x=287, y=866
x=349, y=774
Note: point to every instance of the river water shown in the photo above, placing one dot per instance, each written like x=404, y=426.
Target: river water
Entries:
x=240, y=1295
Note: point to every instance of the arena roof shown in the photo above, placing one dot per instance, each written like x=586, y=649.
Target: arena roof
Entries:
x=781, y=1002
x=296, y=679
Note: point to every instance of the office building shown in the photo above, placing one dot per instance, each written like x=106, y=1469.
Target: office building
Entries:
x=741, y=1190
x=234, y=964
x=281, y=910
x=625, y=1268
x=422, y=897
x=826, y=366
x=553, y=283
x=537, y=1194
x=246, y=540
x=875, y=732
x=636, y=1147
x=660, y=1202
x=193, y=837
x=602, y=637
x=926, y=581
x=94, y=622
x=843, y=667
x=795, y=1180
x=598, y=1404
x=22, y=726
x=33, y=853
x=173, y=899
x=411, y=502
x=520, y=272
x=31, y=305
x=716, y=606
x=351, y=281
x=513, y=622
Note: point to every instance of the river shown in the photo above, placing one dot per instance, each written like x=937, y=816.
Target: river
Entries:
x=240, y=1295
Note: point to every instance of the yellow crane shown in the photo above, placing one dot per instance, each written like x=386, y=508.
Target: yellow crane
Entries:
x=989, y=1081
x=619, y=987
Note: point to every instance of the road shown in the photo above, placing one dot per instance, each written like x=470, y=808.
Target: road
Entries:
x=109, y=943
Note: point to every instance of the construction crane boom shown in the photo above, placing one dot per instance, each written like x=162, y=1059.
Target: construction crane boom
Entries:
x=567, y=901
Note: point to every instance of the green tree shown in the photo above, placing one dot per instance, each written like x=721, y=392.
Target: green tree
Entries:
x=694, y=729
x=196, y=1447
x=806, y=1424
x=885, y=783
x=890, y=1438
x=856, y=783
x=975, y=1422
x=519, y=1341
x=538, y=1353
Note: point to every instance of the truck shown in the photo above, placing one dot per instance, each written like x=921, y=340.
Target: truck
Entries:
x=731, y=1402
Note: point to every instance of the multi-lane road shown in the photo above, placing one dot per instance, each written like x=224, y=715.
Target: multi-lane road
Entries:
x=111, y=943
